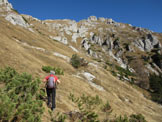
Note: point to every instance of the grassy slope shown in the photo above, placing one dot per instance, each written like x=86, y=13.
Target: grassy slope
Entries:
x=123, y=98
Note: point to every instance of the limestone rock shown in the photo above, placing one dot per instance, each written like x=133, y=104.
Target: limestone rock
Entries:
x=147, y=43
x=16, y=19
x=101, y=19
x=5, y=6
x=60, y=39
x=85, y=44
x=74, y=49
x=74, y=37
x=92, y=18
x=110, y=21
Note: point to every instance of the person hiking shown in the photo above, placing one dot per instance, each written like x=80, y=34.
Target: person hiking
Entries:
x=51, y=82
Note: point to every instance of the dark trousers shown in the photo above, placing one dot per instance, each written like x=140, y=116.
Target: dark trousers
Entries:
x=51, y=93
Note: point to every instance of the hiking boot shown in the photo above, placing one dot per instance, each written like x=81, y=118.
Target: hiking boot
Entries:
x=49, y=105
x=52, y=109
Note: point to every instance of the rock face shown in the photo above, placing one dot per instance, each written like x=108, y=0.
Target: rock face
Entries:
x=147, y=43
x=5, y=6
x=16, y=19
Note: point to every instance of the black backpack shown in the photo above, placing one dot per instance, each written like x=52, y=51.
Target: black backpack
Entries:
x=50, y=83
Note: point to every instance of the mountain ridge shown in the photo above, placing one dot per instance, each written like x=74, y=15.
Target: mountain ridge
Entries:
x=27, y=44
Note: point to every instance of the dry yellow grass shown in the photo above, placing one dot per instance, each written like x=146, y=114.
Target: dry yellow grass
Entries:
x=123, y=98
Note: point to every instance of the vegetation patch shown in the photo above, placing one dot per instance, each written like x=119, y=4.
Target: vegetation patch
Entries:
x=90, y=108
x=20, y=100
x=123, y=72
x=131, y=118
x=156, y=88
x=120, y=72
x=77, y=62
x=58, y=71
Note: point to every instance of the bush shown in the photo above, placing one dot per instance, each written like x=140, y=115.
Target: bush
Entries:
x=18, y=100
x=106, y=108
x=86, y=106
x=137, y=118
x=60, y=117
x=124, y=72
x=58, y=71
x=131, y=118
x=7, y=74
x=156, y=87
x=77, y=62
x=122, y=119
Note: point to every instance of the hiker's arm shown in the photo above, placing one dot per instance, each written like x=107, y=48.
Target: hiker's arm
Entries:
x=44, y=80
x=58, y=81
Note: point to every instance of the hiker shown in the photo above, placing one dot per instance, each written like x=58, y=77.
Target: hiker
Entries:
x=51, y=82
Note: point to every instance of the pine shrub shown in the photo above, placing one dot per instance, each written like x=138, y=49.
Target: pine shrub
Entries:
x=18, y=100
x=75, y=61
x=156, y=87
x=58, y=71
x=86, y=106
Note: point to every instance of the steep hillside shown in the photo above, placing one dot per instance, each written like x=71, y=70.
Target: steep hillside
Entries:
x=118, y=56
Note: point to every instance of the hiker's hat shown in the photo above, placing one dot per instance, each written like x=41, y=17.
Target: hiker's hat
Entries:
x=52, y=72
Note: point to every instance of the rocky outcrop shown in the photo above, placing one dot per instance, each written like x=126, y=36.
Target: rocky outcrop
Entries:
x=16, y=19
x=5, y=6
x=147, y=43
x=90, y=79
x=60, y=39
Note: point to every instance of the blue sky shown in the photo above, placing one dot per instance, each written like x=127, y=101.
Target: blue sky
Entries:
x=140, y=13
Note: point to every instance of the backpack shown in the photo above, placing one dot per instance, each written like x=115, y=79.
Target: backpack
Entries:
x=50, y=83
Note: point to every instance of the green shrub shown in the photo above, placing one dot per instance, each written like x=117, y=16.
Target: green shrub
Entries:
x=75, y=61
x=86, y=106
x=60, y=117
x=7, y=74
x=137, y=118
x=58, y=71
x=106, y=108
x=122, y=119
x=7, y=107
x=47, y=69
x=131, y=118
x=156, y=87
x=124, y=72
x=18, y=100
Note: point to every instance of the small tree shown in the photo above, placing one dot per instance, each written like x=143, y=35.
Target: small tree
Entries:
x=75, y=61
